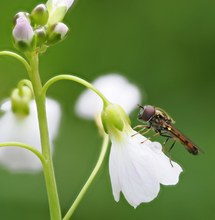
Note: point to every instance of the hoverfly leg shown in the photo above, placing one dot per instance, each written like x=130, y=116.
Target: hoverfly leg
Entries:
x=149, y=138
x=164, y=143
x=141, y=130
x=169, y=153
x=164, y=134
x=138, y=132
x=170, y=161
x=172, y=146
x=143, y=133
x=138, y=126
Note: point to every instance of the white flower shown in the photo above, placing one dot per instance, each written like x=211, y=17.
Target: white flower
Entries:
x=137, y=166
x=57, y=9
x=25, y=129
x=116, y=88
x=23, y=31
x=137, y=170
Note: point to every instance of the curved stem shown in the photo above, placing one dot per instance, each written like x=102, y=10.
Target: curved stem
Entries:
x=25, y=82
x=75, y=79
x=90, y=179
x=48, y=168
x=24, y=146
x=16, y=56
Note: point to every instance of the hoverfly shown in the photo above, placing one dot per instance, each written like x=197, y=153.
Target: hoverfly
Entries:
x=162, y=124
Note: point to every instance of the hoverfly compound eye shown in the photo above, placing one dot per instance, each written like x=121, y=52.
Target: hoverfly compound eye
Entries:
x=146, y=113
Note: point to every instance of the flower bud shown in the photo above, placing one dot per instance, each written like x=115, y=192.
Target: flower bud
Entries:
x=20, y=99
x=21, y=14
x=23, y=34
x=114, y=119
x=40, y=14
x=57, y=10
x=40, y=36
x=56, y=33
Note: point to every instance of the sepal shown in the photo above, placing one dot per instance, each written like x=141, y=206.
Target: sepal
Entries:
x=20, y=100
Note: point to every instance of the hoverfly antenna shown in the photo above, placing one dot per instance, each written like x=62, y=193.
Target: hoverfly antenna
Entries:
x=140, y=106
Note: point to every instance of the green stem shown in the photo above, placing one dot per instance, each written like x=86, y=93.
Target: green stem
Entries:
x=25, y=146
x=75, y=79
x=24, y=82
x=48, y=169
x=18, y=57
x=90, y=179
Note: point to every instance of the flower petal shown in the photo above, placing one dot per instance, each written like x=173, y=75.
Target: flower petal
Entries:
x=116, y=88
x=169, y=171
x=26, y=130
x=58, y=3
x=166, y=171
x=137, y=169
x=23, y=30
x=61, y=29
x=131, y=177
x=57, y=9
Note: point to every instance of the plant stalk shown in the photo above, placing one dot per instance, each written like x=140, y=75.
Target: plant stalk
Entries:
x=48, y=169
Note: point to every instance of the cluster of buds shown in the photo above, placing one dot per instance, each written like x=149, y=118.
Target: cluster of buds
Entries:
x=42, y=27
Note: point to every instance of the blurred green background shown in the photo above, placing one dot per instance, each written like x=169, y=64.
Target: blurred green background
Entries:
x=167, y=48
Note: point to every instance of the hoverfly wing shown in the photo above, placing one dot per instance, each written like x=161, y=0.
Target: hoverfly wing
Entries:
x=165, y=115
